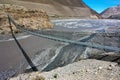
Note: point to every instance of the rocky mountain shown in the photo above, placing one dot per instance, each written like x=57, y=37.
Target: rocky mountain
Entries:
x=112, y=12
x=117, y=16
x=58, y=8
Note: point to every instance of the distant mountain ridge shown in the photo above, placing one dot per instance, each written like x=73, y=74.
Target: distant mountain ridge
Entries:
x=58, y=8
x=112, y=12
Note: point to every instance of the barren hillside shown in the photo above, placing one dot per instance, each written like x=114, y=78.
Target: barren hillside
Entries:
x=35, y=19
x=112, y=12
x=58, y=8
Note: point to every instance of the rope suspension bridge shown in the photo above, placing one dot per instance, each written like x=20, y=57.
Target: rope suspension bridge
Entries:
x=44, y=34
x=40, y=34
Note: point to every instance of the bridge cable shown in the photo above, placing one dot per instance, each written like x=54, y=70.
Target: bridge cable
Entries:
x=33, y=67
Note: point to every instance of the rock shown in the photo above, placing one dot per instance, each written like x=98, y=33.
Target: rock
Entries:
x=32, y=19
x=99, y=68
x=109, y=68
x=112, y=65
x=95, y=73
x=87, y=70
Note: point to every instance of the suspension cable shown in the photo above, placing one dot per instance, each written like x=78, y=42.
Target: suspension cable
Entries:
x=33, y=67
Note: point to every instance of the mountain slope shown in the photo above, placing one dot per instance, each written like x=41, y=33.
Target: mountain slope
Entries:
x=33, y=19
x=58, y=8
x=111, y=13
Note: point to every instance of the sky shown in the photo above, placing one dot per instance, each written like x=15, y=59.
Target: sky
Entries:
x=100, y=5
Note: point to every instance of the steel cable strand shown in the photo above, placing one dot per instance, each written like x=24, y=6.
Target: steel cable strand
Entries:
x=22, y=50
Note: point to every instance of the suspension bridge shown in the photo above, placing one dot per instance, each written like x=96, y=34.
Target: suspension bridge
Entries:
x=81, y=41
